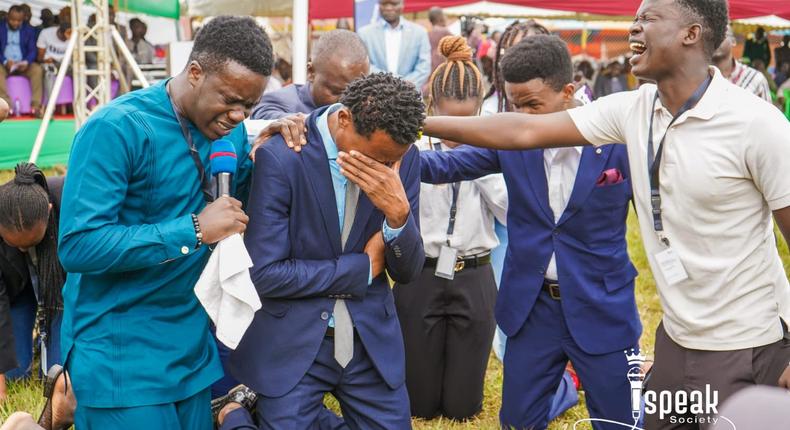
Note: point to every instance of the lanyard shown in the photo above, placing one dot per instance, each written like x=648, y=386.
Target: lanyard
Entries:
x=456, y=186
x=654, y=163
x=205, y=185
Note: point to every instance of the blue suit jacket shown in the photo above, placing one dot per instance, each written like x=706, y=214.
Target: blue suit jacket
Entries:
x=300, y=269
x=414, y=64
x=285, y=101
x=596, y=276
x=27, y=41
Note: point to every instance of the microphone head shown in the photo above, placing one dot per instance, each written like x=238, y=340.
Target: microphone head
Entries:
x=223, y=157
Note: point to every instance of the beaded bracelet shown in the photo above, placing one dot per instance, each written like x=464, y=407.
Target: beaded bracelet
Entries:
x=198, y=232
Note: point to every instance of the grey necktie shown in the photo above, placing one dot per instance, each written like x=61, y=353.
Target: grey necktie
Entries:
x=344, y=329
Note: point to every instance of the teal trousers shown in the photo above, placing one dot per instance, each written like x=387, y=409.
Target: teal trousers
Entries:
x=193, y=413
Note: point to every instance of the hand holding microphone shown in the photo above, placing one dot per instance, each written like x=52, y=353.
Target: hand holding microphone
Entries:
x=223, y=217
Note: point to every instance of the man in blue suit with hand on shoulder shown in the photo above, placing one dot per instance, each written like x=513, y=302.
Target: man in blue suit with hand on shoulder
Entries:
x=325, y=224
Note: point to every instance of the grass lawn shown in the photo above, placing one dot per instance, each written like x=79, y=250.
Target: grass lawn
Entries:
x=26, y=396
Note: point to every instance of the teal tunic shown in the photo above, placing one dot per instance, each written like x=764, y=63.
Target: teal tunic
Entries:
x=133, y=331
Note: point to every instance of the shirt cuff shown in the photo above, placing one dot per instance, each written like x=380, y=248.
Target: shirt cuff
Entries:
x=178, y=237
x=390, y=233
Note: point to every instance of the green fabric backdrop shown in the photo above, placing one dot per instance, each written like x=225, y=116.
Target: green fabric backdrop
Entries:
x=165, y=8
x=17, y=137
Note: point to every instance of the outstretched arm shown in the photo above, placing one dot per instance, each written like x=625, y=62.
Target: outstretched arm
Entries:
x=507, y=130
x=598, y=123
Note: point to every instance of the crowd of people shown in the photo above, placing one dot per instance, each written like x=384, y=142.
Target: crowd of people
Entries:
x=370, y=206
x=37, y=52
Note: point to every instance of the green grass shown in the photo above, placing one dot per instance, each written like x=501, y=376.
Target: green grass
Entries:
x=26, y=396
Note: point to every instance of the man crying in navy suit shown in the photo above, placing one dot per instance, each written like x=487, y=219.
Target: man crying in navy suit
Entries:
x=325, y=225
x=567, y=291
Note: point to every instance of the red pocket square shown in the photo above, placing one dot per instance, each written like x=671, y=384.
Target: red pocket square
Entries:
x=609, y=177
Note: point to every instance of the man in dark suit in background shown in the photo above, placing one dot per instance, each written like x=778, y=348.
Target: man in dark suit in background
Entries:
x=338, y=58
x=326, y=302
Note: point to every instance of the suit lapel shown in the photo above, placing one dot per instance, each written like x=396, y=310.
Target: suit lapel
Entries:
x=590, y=165
x=536, y=173
x=317, y=166
x=404, y=46
x=381, y=48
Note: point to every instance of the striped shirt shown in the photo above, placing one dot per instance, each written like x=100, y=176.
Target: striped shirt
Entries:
x=751, y=80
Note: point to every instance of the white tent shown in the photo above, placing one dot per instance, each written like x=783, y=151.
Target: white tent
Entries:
x=770, y=22
x=238, y=7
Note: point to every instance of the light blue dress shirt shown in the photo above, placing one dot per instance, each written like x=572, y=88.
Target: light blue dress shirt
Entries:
x=13, y=48
x=339, y=184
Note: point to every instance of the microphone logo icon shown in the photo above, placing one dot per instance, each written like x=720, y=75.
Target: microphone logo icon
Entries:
x=635, y=379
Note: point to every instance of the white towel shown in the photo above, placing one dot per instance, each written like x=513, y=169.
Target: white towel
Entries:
x=226, y=291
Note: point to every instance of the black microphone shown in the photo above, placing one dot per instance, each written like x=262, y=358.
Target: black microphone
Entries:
x=223, y=165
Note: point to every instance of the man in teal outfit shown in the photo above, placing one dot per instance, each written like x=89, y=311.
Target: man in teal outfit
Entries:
x=135, y=226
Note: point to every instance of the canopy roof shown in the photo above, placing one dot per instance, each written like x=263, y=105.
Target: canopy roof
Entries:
x=323, y=9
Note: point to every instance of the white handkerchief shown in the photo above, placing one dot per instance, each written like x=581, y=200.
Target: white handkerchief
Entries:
x=226, y=291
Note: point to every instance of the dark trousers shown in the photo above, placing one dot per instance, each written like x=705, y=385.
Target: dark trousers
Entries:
x=681, y=369
x=448, y=328
x=365, y=399
x=23, y=321
x=535, y=360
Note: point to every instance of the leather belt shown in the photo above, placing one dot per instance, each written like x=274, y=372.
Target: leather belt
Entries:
x=463, y=262
x=553, y=288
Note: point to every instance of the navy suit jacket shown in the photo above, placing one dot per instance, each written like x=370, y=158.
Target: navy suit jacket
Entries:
x=300, y=269
x=596, y=276
x=285, y=101
x=27, y=41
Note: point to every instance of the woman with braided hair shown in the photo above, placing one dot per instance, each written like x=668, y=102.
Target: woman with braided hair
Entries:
x=496, y=99
x=31, y=277
x=447, y=313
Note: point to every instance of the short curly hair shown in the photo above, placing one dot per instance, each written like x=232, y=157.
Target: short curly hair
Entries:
x=714, y=16
x=381, y=101
x=542, y=56
x=233, y=38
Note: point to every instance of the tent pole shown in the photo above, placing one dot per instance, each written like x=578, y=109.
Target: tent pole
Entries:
x=53, y=98
x=300, y=33
x=129, y=58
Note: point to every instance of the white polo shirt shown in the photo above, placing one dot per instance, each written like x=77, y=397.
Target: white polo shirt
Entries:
x=725, y=167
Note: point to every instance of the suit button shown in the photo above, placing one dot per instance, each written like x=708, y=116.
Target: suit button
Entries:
x=396, y=248
x=556, y=232
x=324, y=315
x=184, y=250
x=542, y=270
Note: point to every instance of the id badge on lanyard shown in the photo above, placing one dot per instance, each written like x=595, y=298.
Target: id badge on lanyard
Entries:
x=448, y=256
x=668, y=261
